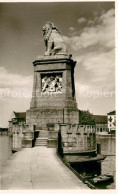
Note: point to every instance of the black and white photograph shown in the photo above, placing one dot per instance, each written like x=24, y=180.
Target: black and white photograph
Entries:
x=58, y=96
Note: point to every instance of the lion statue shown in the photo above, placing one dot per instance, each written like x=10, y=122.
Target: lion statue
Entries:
x=53, y=40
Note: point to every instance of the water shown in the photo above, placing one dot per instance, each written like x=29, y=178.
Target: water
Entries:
x=108, y=148
x=5, y=148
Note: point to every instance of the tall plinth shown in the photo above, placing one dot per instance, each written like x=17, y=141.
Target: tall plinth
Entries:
x=53, y=98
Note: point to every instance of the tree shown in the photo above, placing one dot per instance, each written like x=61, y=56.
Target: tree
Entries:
x=86, y=118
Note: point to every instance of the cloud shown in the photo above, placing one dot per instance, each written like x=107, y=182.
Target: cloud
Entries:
x=102, y=69
x=81, y=20
x=101, y=33
x=10, y=80
x=14, y=85
x=15, y=94
x=94, y=49
x=71, y=28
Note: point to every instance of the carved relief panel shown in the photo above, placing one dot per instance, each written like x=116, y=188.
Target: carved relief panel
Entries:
x=51, y=83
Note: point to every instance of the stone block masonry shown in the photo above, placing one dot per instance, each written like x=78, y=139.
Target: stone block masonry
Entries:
x=20, y=133
x=52, y=135
x=44, y=92
x=40, y=117
x=77, y=141
x=53, y=98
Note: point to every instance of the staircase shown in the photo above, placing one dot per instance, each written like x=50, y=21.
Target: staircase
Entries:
x=42, y=139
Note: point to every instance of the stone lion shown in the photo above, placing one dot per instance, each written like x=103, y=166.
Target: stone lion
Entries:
x=53, y=41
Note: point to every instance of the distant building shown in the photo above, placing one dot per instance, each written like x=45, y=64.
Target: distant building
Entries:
x=18, y=117
x=101, y=124
x=111, y=118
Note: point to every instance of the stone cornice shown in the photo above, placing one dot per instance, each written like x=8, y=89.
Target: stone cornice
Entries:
x=53, y=59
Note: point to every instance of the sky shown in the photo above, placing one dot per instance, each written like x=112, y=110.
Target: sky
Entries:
x=88, y=29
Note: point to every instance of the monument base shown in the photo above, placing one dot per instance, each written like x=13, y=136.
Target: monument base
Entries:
x=41, y=117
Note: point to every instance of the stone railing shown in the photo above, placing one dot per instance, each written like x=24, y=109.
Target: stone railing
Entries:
x=22, y=136
x=77, y=140
x=52, y=134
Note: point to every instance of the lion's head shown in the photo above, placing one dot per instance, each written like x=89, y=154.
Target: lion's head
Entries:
x=47, y=29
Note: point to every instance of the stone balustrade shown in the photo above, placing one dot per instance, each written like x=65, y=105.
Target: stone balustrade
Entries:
x=22, y=135
x=77, y=140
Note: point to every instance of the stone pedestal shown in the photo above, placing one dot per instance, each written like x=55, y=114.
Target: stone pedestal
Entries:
x=28, y=138
x=52, y=139
x=53, y=98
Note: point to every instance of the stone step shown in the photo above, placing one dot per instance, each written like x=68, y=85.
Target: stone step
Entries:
x=41, y=144
x=38, y=144
x=43, y=133
x=41, y=138
x=41, y=141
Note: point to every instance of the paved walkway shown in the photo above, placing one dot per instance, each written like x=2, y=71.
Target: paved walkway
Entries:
x=38, y=168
